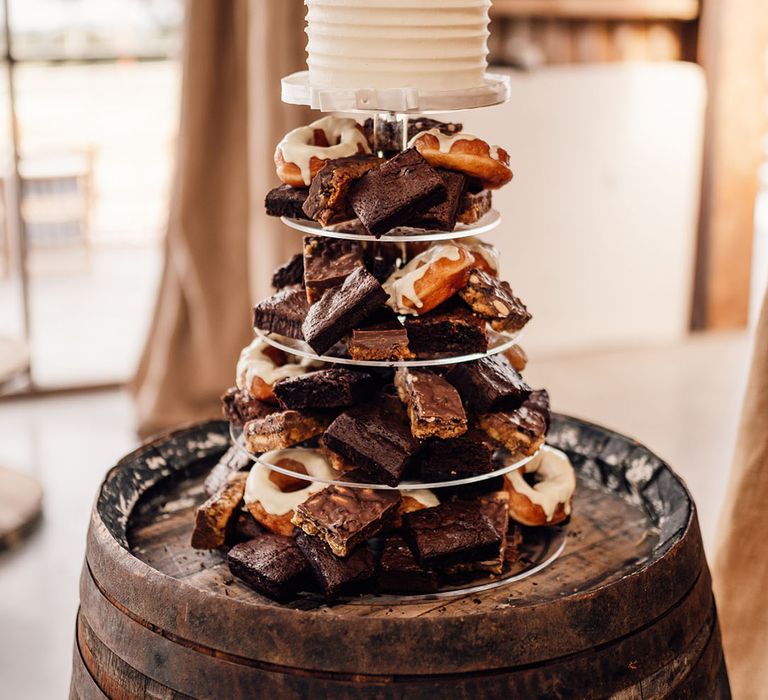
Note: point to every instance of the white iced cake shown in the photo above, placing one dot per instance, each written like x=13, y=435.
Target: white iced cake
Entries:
x=431, y=45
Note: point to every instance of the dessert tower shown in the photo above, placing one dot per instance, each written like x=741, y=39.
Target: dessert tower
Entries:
x=397, y=449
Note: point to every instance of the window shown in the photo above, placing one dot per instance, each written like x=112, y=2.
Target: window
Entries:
x=96, y=108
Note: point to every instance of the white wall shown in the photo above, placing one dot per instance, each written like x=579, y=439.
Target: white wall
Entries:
x=599, y=224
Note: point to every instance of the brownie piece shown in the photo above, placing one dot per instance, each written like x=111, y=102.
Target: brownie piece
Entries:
x=489, y=384
x=243, y=528
x=376, y=438
x=522, y=430
x=395, y=192
x=282, y=429
x=381, y=258
x=335, y=575
x=232, y=461
x=400, y=572
x=213, y=517
x=451, y=533
x=344, y=516
x=290, y=273
x=434, y=406
x=327, y=263
x=450, y=329
x=495, y=507
x=458, y=458
x=474, y=206
x=283, y=312
x=287, y=201
x=442, y=216
x=325, y=388
x=341, y=309
x=271, y=564
x=327, y=201
x=382, y=337
x=494, y=300
x=240, y=407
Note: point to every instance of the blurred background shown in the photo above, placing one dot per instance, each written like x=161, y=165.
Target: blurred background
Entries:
x=636, y=230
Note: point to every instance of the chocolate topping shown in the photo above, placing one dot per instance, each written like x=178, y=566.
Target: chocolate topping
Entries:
x=327, y=263
x=434, y=406
x=283, y=312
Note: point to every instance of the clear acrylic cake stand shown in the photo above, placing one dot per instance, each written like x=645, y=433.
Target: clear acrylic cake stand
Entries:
x=540, y=546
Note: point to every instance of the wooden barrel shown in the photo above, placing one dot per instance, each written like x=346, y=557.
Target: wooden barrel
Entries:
x=626, y=611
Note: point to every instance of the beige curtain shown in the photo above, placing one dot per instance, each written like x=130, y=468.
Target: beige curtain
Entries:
x=220, y=248
x=741, y=564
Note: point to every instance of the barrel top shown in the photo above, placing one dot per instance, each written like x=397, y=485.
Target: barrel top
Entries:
x=633, y=546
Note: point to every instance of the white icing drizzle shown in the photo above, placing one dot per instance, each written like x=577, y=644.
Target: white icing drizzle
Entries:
x=254, y=362
x=446, y=141
x=556, y=484
x=342, y=133
x=426, y=497
x=260, y=488
x=485, y=250
x=401, y=284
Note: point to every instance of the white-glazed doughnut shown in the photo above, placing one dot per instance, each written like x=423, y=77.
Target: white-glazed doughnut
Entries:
x=548, y=500
x=257, y=371
x=429, y=279
x=273, y=507
x=466, y=154
x=303, y=151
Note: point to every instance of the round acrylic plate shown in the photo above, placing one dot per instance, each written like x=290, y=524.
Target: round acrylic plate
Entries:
x=297, y=90
x=511, y=463
x=497, y=342
x=539, y=549
x=398, y=235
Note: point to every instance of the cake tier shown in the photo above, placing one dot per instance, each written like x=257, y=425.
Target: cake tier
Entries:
x=430, y=45
x=277, y=460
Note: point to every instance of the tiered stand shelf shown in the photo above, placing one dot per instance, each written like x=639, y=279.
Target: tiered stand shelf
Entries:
x=624, y=609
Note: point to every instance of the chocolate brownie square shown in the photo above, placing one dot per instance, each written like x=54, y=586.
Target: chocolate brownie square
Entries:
x=457, y=458
x=341, y=309
x=327, y=263
x=283, y=429
x=434, y=406
x=450, y=329
x=290, y=273
x=400, y=572
x=397, y=191
x=523, y=429
x=451, y=533
x=381, y=337
x=327, y=201
x=376, y=438
x=493, y=299
x=344, y=516
x=240, y=407
x=442, y=216
x=283, y=312
x=287, y=201
x=213, y=517
x=489, y=384
x=337, y=575
x=325, y=388
x=271, y=564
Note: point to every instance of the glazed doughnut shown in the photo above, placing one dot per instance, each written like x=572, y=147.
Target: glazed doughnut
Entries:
x=303, y=151
x=548, y=501
x=429, y=279
x=486, y=255
x=271, y=496
x=465, y=153
x=260, y=366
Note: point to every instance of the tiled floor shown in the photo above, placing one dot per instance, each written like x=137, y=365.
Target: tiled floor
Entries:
x=682, y=401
